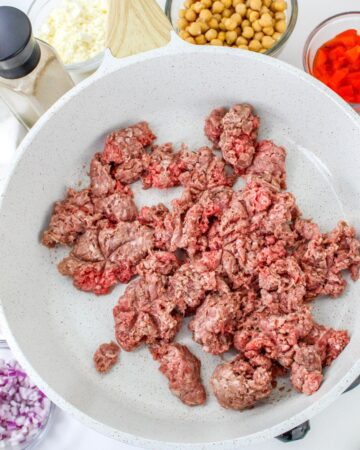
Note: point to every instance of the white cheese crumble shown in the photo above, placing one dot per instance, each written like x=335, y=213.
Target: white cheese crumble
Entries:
x=76, y=29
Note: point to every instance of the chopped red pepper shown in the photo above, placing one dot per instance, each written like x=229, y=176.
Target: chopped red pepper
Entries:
x=337, y=64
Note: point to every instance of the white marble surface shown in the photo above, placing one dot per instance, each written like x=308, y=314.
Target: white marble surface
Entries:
x=336, y=428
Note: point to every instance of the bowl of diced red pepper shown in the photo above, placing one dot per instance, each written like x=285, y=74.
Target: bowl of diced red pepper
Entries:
x=332, y=54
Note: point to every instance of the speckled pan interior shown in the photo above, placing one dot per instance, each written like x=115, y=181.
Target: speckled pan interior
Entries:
x=54, y=329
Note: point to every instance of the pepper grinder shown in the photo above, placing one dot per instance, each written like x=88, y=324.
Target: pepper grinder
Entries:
x=32, y=77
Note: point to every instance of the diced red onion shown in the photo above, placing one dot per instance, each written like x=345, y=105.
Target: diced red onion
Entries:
x=23, y=407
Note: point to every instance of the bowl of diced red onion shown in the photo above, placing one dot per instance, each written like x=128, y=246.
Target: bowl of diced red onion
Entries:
x=25, y=412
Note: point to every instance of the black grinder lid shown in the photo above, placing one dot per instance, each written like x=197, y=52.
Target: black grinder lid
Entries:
x=19, y=50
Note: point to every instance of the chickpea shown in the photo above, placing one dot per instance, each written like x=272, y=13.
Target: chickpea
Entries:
x=213, y=23
x=197, y=7
x=263, y=50
x=241, y=41
x=243, y=47
x=279, y=6
x=216, y=42
x=227, y=3
x=269, y=31
x=267, y=3
x=241, y=9
x=280, y=26
x=200, y=40
x=237, y=18
x=230, y=24
x=182, y=24
x=266, y=20
x=190, y=15
x=188, y=3
x=222, y=26
x=255, y=5
x=255, y=45
x=248, y=32
x=264, y=10
x=218, y=17
x=206, y=3
x=204, y=27
x=231, y=37
x=256, y=26
x=211, y=34
x=245, y=23
x=280, y=16
x=238, y=31
x=191, y=40
x=205, y=15
x=195, y=29
x=276, y=36
x=227, y=13
x=184, y=34
x=254, y=15
x=267, y=42
x=218, y=7
x=182, y=13
x=237, y=2
x=222, y=36
x=259, y=35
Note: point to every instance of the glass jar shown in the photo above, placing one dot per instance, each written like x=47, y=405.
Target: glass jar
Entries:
x=32, y=77
x=31, y=443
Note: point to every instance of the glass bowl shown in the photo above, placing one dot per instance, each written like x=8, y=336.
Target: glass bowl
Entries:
x=38, y=12
x=5, y=353
x=172, y=8
x=325, y=31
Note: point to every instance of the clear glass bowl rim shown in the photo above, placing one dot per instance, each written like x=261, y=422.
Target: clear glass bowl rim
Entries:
x=82, y=66
x=330, y=20
x=278, y=46
x=43, y=431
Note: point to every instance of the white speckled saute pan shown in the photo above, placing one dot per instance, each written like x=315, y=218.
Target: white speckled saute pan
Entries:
x=54, y=329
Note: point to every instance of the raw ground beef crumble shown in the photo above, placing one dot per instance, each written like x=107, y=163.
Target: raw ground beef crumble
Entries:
x=106, y=357
x=243, y=263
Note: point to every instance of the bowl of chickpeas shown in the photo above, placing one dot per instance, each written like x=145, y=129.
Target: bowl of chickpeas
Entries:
x=262, y=26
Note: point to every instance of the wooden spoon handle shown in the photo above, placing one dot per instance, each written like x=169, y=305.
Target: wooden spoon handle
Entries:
x=135, y=26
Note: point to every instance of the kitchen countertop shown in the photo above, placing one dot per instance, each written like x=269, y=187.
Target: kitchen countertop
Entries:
x=336, y=428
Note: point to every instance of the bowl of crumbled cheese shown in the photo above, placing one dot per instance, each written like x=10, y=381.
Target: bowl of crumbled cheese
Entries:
x=75, y=28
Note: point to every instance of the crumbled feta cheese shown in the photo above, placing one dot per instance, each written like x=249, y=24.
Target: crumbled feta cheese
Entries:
x=76, y=29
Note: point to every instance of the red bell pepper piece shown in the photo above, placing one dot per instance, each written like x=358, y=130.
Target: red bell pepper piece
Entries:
x=353, y=54
x=338, y=77
x=337, y=52
x=321, y=57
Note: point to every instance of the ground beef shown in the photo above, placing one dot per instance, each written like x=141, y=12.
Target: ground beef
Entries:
x=101, y=181
x=213, y=125
x=182, y=369
x=160, y=171
x=205, y=171
x=329, y=343
x=239, y=385
x=324, y=257
x=282, y=285
x=106, y=357
x=238, y=138
x=70, y=218
x=127, y=143
x=244, y=263
x=146, y=312
x=269, y=163
x=102, y=258
x=191, y=282
x=306, y=370
x=216, y=320
x=116, y=207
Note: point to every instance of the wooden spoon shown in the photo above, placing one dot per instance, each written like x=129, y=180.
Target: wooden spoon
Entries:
x=136, y=26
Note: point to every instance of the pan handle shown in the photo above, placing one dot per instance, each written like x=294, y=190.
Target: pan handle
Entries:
x=136, y=26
